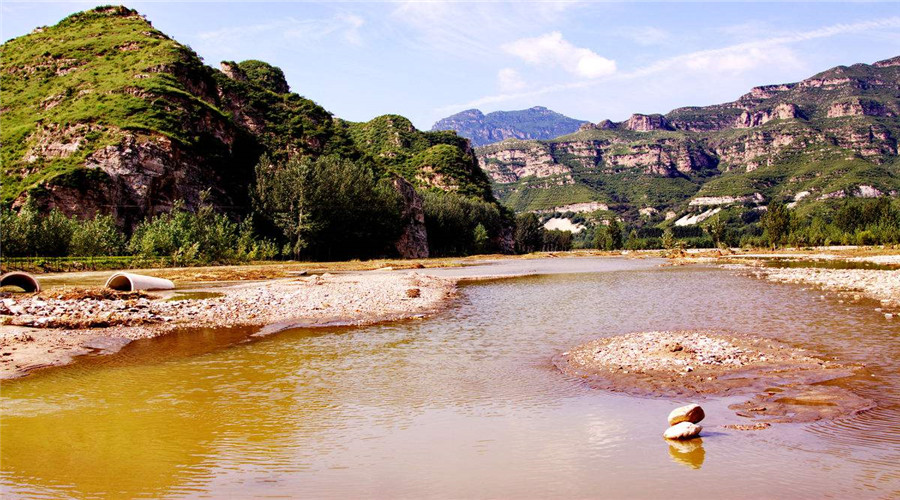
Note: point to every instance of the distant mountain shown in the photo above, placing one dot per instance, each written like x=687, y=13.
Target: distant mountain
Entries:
x=532, y=123
x=833, y=135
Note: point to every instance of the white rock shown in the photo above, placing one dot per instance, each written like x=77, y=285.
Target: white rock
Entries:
x=683, y=430
x=690, y=413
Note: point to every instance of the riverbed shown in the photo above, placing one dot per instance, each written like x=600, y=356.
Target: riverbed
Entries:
x=466, y=403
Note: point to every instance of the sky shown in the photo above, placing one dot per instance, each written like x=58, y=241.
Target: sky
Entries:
x=588, y=60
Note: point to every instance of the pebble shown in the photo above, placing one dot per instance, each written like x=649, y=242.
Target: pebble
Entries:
x=692, y=413
x=683, y=430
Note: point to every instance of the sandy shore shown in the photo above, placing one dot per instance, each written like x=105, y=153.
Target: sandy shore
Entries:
x=696, y=364
x=52, y=327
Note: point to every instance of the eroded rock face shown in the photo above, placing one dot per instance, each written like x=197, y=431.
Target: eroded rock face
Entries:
x=413, y=241
x=858, y=107
x=783, y=111
x=510, y=165
x=646, y=123
x=665, y=157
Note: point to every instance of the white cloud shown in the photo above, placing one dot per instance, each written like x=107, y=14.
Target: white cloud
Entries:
x=644, y=35
x=509, y=80
x=471, y=29
x=705, y=64
x=346, y=25
x=554, y=51
x=742, y=60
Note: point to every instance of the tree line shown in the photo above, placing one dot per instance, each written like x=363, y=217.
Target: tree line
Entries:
x=334, y=208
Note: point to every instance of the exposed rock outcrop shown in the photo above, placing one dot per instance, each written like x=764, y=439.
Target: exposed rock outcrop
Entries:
x=646, y=123
x=413, y=240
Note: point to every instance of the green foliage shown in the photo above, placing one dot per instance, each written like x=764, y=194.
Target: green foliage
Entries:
x=28, y=233
x=265, y=75
x=91, y=77
x=189, y=238
x=609, y=236
x=452, y=222
x=716, y=229
x=439, y=160
x=96, y=237
x=556, y=240
x=529, y=233
x=480, y=239
x=776, y=224
x=329, y=207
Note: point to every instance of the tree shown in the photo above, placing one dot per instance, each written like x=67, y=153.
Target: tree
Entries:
x=609, y=237
x=481, y=239
x=97, y=236
x=330, y=207
x=776, y=223
x=529, y=233
x=669, y=242
x=716, y=229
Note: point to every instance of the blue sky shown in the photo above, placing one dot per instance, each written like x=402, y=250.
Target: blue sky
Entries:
x=589, y=60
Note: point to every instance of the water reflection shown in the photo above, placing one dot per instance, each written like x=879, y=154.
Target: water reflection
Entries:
x=689, y=452
x=465, y=404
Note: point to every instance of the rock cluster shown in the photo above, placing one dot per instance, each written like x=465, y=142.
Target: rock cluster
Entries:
x=316, y=296
x=683, y=422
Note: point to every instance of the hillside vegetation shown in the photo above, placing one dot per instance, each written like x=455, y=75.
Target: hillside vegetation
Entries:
x=831, y=136
x=103, y=114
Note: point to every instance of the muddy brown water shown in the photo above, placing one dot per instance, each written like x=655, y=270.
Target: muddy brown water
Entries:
x=462, y=404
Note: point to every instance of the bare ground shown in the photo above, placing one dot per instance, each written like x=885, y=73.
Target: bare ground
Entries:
x=50, y=328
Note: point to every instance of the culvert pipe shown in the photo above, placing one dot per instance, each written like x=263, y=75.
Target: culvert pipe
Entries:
x=24, y=281
x=128, y=282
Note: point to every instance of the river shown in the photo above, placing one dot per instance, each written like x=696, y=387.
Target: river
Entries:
x=465, y=403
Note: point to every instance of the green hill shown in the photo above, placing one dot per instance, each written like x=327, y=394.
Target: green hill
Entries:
x=103, y=113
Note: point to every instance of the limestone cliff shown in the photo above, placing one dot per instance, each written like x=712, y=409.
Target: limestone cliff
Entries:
x=836, y=132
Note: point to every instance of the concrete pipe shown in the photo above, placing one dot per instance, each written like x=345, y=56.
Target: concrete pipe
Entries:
x=24, y=281
x=128, y=282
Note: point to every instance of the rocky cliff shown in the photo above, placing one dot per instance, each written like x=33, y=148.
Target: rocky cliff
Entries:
x=832, y=135
x=533, y=123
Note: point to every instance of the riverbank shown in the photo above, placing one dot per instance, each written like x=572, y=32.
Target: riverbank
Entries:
x=51, y=328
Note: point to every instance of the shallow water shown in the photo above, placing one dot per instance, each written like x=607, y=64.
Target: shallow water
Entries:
x=463, y=404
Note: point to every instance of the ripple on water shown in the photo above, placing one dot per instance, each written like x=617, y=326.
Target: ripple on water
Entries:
x=464, y=404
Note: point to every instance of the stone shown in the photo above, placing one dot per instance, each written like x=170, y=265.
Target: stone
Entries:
x=683, y=430
x=692, y=413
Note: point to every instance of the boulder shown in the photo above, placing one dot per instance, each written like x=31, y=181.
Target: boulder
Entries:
x=690, y=413
x=683, y=430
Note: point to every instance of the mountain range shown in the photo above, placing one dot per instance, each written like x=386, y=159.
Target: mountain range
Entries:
x=532, y=123
x=832, y=135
